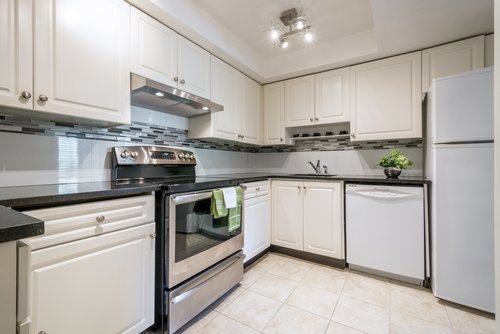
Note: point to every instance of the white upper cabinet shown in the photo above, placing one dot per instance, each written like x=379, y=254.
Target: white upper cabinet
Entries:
x=160, y=54
x=193, y=66
x=225, y=91
x=299, y=101
x=153, y=52
x=452, y=58
x=274, y=115
x=317, y=99
x=251, y=111
x=55, y=59
x=241, y=118
x=332, y=96
x=16, y=54
x=386, y=99
x=82, y=59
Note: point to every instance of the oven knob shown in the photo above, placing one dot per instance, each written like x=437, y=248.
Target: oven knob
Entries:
x=191, y=157
x=134, y=154
x=125, y=154
x=181, y=156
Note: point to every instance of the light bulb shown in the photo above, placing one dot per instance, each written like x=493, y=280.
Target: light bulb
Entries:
x=284, y=44
x=205, y=108
x=300, y=24
x=274, y=34
x=159, y=94
x=308, y=36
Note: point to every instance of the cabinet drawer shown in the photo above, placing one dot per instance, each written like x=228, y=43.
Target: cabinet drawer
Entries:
x=255, y=189
x=72, y=222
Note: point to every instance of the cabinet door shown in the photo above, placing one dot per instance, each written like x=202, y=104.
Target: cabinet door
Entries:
x=323, y=223
x=274, y=114
x=386, y=99
x=257, y=226
x=153, y=49
x=193, y=67
x=251, y=120
x=101, y=284
x=287, y=214
x=82, y=59
x=452, y=58
x=332, y=96
x=299, y=101
x=226, y=123
x=16, y=53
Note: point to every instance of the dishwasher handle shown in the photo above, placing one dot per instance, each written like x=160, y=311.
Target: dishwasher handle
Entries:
x=382, y=193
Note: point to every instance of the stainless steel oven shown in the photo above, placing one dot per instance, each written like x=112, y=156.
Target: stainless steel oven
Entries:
x=196, y=240
x=198, y=258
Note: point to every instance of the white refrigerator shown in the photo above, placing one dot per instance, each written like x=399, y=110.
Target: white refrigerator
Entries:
x=459, y=162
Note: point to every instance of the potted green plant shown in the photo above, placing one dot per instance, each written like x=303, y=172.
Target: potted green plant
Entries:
x=394, y=163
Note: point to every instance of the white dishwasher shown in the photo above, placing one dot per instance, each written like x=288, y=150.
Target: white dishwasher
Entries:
x=385, y=230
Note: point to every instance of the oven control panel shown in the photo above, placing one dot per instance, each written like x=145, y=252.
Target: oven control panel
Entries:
x=152, y=155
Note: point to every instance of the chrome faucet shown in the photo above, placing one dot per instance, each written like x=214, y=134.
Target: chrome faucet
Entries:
x=316, y=168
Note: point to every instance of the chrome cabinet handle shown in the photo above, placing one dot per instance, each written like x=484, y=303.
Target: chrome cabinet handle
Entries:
x=316, y=118
x=183, y=81
x=152, y=235
x=25, y=94
x=310, y=119
x=176, y=79
x=281, y=139
x=100, y=219
x=353, y=135
x=43, y=98
x=258, y=189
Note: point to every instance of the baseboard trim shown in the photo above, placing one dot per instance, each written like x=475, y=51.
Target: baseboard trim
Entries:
x=256, y=257
x=321, y=259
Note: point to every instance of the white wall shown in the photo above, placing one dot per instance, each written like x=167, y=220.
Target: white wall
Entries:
x=349, y=162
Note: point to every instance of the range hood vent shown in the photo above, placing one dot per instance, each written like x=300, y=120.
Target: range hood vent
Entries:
x=150, y=94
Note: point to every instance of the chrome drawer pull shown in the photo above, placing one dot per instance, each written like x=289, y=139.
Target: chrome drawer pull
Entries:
x=100, y=219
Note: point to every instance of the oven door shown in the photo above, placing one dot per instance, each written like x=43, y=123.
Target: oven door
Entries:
x=196, y=240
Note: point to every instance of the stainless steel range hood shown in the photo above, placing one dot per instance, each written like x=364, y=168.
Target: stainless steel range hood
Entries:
x=150, y=94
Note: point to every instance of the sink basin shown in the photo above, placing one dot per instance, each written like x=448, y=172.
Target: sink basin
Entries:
x=315, y=175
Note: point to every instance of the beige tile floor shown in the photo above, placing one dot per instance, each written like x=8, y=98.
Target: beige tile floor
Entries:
x=280, y=294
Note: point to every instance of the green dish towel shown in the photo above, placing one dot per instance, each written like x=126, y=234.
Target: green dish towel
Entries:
x=218, y=209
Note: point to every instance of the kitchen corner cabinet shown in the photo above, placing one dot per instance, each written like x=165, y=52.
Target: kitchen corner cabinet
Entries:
x=451, y=58
x=241, y=118
x=162, y=55
x=386, y=99
x=307, y=216
x=92, y=271
x=57, y=61
x=274, y=115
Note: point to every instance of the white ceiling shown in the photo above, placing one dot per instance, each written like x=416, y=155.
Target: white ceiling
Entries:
x=346, y=31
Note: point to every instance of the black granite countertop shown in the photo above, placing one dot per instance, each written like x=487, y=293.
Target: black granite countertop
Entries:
x=24, y=197
x=378, y=179
x=15, y=225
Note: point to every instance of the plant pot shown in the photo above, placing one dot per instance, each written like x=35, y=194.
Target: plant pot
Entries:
x=392, y=172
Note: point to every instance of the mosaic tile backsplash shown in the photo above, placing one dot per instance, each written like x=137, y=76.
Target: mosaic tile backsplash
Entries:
x=139, y=132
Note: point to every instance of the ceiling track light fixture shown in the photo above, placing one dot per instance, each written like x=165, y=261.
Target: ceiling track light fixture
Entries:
x=292, y=24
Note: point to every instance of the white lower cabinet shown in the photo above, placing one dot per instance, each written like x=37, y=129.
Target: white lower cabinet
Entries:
x=98, y=284
x=257, y=219
x=307, y=216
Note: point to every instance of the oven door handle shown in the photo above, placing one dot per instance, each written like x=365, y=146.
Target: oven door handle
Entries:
x=193, y=286
x=179, y=199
